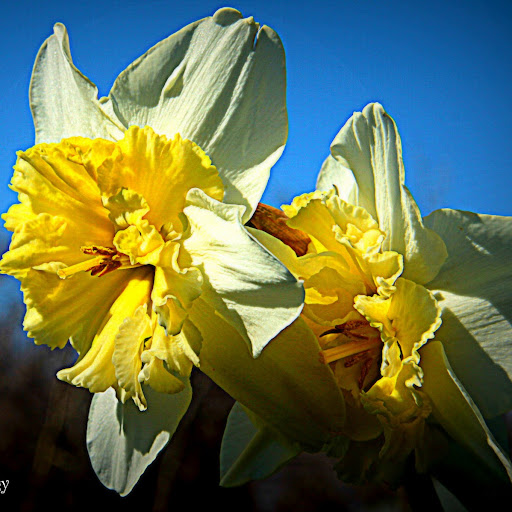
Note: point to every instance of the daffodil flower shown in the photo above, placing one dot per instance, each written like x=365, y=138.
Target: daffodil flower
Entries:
x=129, y=236
x=412, y=315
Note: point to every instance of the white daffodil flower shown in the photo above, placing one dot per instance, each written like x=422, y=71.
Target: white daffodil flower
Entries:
x=412, y=317
x=129, y=236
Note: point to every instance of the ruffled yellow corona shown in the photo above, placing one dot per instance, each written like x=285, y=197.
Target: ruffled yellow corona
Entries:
x=370, y=322
x=98, y=247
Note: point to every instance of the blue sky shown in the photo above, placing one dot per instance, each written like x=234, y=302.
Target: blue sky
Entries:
x=441, y=69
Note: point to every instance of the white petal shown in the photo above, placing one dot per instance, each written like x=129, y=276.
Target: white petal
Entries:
x=123, y=441
x=457, y=413
x=334, y=174
x=367, y=169
x=474, y=288
x=252, y=289
x=249, y=452
x=221, y=83
x=64, y=102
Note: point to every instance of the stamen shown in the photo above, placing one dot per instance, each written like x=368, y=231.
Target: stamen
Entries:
x=108, y=260
x=83, y=266
x=348, y=349
x=347, y=329
x=105, y=267
x=356, y=358
x=97, y=249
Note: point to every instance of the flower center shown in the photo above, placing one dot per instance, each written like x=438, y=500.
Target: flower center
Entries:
x=107, y=260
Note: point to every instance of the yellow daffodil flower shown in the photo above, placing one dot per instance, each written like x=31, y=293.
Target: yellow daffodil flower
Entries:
x=390, y=299
x=129, y=236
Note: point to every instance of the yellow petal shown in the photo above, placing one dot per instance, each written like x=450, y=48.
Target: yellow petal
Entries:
x=93, y=152
x=310, y=214
x=180, y=352
x=349, y=231
x=141, y=243
x=385, y=268
x=170, y=353
x=415, y=316
x=128, y=346
x=174, y=289
x=53, y=179
x=348, y=216
x=60, y=309
x=155, y=374
x=94, y=370
x=330, y=295
x=401, y=409
x=406, y=320
x=410, y=315
x=40, y=240
x=375, y=309
x=184, y=285
x=126, y=208
x=160, y=170
x=310, y=264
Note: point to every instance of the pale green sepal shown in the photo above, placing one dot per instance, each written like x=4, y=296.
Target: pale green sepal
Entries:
x=448, y=500
x=366, y=167
x=64, y=102
x=287, y=386
x=220, y=82
x=123, y=441
x=474, y=290
x=252, y=289
x=251, y=452
x=454, y=409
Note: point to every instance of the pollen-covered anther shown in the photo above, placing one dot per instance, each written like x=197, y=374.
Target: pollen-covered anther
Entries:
x=348, y=329
x=96, y=249
x=358, y=337
x=107, y=260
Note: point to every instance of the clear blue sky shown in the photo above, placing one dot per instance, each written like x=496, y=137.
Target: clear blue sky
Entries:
x=442, y=69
